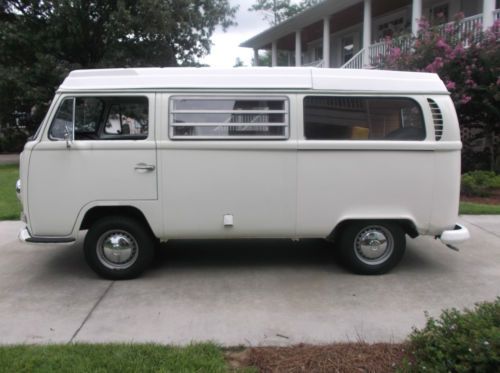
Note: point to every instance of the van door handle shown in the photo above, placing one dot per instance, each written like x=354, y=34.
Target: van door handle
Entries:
x=144, y=166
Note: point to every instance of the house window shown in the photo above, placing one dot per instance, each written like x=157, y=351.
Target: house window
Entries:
x=391, y=28
x=362, y=118
x=318, y=53
x=228, y=118
x=101, y=118
x=439, y=14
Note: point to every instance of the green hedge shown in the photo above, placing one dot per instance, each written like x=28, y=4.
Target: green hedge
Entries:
x=479, y=183
x=458, y=341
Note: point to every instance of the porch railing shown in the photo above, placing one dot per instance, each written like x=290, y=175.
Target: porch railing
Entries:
x=496, y=14
x=369, y=56
x=468, y=29
x=317, y=63
x=356, y=62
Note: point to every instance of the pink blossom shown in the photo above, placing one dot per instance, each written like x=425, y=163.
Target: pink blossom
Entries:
x=465, y=99
x=450, y=85
x=498, y=82
x=441, y=43
x=423, y=23
x=395, y=52
x=449, y=28
x=435, y=65
x=459, y=49
x=459, y=16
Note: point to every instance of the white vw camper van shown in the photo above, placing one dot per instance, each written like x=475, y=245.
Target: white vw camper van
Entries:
x=137, y=156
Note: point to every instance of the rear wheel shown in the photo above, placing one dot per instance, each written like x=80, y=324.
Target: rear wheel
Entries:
x=118, y=247
x=372, y=247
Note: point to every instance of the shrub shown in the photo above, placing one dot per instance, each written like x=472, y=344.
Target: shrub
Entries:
x=469, y=64
x=12, y=140
x=467, y=341
x=479, y=183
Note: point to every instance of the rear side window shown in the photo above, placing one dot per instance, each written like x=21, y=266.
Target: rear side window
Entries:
x=101, y=118
x=228, y=118
x=362, y=118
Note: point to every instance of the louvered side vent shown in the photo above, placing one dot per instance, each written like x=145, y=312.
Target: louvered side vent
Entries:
x=437, y=118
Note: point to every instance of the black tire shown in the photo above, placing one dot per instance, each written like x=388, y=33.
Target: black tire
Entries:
x=129, y=251
x=355, y=246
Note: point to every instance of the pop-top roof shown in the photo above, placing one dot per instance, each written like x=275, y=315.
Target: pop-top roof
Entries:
x=300, y=78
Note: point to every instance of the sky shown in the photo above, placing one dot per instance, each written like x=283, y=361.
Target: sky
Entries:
x=225, y=48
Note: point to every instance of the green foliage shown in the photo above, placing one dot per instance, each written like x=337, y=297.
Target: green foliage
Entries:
x=10, y=208
x=41, y=41
x=469, y=208
x=277, y=11
x=239, y=62
x=265, y=58
x=468, y=61
x=120, y=358
x=467, y=341
x=479, y=183
x=12, y=140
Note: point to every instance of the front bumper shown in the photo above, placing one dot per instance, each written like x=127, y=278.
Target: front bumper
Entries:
x=457, y=235
x=25, y=236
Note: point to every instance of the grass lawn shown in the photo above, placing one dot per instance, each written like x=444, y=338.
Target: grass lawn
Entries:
x=9, y=205
x=205, y=357
x=470, y=208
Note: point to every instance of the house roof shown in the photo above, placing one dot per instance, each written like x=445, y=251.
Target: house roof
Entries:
x=297, y=22
x=282, y=78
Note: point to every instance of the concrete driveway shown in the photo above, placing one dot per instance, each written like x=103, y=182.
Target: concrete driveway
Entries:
x=239, y=292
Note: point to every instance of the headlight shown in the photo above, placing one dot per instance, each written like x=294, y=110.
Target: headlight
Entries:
x=18, y=186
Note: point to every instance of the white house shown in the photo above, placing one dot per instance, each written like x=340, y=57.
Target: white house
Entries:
x=347, y=33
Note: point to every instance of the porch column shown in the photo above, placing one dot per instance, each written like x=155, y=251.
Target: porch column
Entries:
x=326, y=42
x=256, y=57
x=274, y=53
x=298, y=48
x=367, y=30
x=416, y=14
x=488, y=8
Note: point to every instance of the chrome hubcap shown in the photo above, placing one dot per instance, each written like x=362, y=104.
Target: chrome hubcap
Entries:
x=374, y=245
x=117, y=249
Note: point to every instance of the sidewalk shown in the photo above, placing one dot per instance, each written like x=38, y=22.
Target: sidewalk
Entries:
x=9, y=159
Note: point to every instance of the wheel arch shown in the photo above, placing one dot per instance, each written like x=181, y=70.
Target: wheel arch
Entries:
x=408, y=226
x=97, y=212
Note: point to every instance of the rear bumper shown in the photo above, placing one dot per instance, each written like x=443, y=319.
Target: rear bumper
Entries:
x=25, y=236
x=456, y=235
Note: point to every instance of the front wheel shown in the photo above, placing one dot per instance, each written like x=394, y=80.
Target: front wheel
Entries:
x=118, y=248
x=372, y=247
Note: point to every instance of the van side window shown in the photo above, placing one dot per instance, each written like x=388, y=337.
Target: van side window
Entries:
x=362, y=118
x=88, y=112
x=228, y=118
x=101, y=118
x=128, y=118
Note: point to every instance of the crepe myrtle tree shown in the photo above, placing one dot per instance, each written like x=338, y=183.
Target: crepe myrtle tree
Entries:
x=41, y=41
x=469, y=64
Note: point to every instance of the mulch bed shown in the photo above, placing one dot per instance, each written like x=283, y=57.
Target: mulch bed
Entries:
x=493, y=199
x=334, y=358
